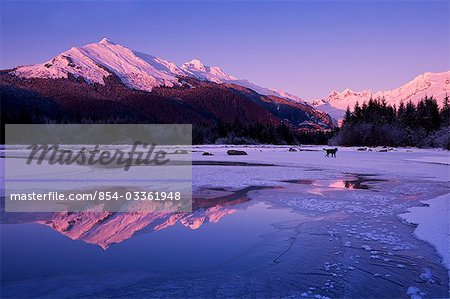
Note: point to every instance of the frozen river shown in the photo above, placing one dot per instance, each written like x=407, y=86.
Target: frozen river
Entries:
x=274, y=223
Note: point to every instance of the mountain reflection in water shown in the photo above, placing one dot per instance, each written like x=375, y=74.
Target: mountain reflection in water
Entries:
x=106, y=228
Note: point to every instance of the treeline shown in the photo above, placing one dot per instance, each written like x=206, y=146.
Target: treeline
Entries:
x=376, y=123
x=238, y=133
x=28, y=108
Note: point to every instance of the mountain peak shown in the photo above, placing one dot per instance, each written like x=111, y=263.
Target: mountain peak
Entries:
x=106, y=41
x=195, y=64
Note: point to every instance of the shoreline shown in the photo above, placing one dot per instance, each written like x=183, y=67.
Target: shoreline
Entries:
x=433, y=227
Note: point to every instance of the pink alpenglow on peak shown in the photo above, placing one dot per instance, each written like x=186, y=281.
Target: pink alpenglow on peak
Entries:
x=195, y=64
x=217, y=75
x=427, y=84
x=196, y=68
x=94, y=62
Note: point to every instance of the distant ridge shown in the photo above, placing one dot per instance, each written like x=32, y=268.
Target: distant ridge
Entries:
x=427, y=84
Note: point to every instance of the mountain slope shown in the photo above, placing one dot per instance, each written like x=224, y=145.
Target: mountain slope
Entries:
x=196, y=102
x=427, y=84
x=95, y=61
x=108, y=82
x=136, y=70
x=215, y=74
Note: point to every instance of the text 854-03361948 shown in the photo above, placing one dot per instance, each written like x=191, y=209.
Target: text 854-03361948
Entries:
x=140, y=195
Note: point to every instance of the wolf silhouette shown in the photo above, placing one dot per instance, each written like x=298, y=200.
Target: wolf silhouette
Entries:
x=331, y=151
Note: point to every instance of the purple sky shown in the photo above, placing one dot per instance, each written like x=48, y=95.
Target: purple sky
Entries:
x=307, y=48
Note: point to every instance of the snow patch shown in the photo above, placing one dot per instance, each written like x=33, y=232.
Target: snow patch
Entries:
x=433, y=224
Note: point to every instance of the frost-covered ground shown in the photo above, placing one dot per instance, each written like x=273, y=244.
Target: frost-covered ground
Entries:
x=369, y=223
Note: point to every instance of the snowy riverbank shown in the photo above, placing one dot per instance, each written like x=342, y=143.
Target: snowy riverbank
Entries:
x=433, y=224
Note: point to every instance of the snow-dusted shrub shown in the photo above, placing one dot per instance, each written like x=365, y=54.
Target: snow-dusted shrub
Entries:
x=440, y=138
x=231, y=139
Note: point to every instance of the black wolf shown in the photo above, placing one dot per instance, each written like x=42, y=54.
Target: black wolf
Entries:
x=331, y=151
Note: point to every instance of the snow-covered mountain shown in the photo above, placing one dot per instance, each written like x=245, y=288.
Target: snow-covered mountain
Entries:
x=209, y=73
x=215, y=74
x=137, y=70
x=105, y=81
x=427, y=84
x=95, y=61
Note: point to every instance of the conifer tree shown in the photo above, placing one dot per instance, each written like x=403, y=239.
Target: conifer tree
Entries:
x=445, y=112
